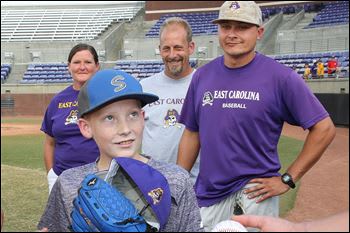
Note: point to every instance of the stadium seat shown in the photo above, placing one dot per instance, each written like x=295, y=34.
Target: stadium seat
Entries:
x=144, y=68
x=290, y=60
x=5, y=72
x=61, y=24
x=335, y=13
x=47, y=73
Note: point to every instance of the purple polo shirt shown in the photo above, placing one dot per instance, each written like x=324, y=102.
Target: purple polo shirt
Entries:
x=239, y=114
x=72, y=149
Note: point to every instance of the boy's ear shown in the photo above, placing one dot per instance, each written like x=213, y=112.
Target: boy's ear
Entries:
x=85, y=128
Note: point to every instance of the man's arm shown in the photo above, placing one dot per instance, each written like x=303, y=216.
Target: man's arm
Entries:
x=320, y=136
x=317, y=141
x=188, y=149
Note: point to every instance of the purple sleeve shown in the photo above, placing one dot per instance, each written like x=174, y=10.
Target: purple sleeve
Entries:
x=303, y=106
x=46, y=125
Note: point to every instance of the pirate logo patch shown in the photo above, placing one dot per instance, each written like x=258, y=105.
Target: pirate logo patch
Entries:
x=156, y=195
x=234, y=6
x=207, y=99
x=72, y=118
x=171, y=119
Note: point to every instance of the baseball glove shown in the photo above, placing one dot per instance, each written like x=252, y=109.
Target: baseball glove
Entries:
x=99, y=207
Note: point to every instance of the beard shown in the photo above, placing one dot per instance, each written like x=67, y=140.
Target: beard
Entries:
x=175, y=69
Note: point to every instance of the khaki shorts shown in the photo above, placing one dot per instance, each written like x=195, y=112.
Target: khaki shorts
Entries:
x=238, y=201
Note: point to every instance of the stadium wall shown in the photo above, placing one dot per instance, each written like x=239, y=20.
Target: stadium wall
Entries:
x=315, y=40
x=50, y=51
x=155, y=9
x=25, y=104
x=22, y=100
x=337, y=106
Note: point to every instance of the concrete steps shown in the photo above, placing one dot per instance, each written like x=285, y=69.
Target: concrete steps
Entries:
x=17, y=72
x=305, y=21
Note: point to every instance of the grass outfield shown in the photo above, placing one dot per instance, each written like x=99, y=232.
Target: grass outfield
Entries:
x=25, y=151
x=288, y=148
x=24, y=193
x=24, y=189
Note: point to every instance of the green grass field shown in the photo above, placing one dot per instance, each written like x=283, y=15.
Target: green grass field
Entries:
x=25, y=151
x=288, y=148
x=24, y=189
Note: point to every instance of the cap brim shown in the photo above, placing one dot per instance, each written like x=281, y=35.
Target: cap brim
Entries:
x=145, y=98
x=139, y=171
x=217, y=21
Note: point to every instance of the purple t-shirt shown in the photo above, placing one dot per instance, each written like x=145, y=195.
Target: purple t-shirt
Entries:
x=72, y=149
x=239, y=114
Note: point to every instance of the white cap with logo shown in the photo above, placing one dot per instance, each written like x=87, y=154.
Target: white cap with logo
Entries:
x=242, y=11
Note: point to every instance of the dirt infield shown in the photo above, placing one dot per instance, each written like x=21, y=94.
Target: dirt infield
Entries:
x=8, y=129
x=324, y=190
x=25, y=125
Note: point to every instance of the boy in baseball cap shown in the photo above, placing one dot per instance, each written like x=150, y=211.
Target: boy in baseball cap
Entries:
x=110, y=111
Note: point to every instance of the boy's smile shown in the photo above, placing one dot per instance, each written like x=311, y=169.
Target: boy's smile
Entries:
x=125, y=143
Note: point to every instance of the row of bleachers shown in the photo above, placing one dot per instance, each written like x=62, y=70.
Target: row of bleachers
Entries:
x=298, y=61
x=312, y=55
x=290, y=9
x=201, y=22
x=48, y=67
x=58, y=73
x=335, y=13
x=47, y=73
x=60, y=24
x=313, y=7
x=44, y=72
x=144, y=68
x=5, y=71
x=43, y=80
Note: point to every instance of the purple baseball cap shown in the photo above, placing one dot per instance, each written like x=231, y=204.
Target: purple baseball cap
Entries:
x=152, y=184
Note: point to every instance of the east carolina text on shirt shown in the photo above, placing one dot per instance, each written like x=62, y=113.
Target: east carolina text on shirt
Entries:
x=68, y=104
x=246, y=95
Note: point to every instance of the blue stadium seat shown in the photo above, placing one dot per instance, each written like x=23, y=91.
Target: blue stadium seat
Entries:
x=335, y=13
